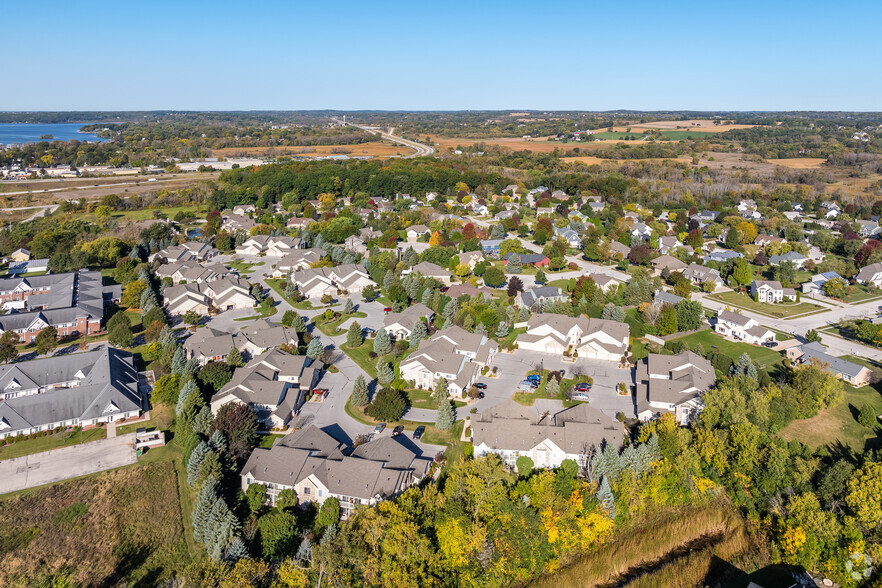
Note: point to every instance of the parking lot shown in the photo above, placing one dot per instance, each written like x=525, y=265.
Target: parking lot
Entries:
x=514, y=366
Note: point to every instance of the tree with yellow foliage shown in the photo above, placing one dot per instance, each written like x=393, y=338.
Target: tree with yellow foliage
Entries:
x=435, y=239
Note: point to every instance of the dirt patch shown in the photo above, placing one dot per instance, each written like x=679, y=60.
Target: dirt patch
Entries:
x=799, y=162
x=373, y=149
x=588, y=160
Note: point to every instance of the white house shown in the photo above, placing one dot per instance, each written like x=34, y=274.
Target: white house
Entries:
x=451, y=353
x=738, y=326
x=589, y=337
x=771, y=291
x=672, y=384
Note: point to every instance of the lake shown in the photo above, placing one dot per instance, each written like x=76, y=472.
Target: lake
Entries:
x=30, y=133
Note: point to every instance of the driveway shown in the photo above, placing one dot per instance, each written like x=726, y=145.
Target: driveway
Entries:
x=514, y=367
x=69, y=462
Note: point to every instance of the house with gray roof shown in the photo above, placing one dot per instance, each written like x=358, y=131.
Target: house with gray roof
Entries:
x=672, y=384
x=273, y=384
x=847, y=371
x=798, y=259
x=573, y=239
x=430, y=270
x=511, y=430
x=316, y=466
x=585, y=337
x=661, y=297
x=619, y=250
x=259, y=336
x=667, y=261
x=722, y=256
x=742, y=328
x=771, y=291
x=451, y=353
x=400, y=324
x=538, y=296
x=81, y=389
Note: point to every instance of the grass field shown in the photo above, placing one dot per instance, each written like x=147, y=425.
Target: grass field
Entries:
x=703, y=125
x=762, y=356
x=122, y=527
x=371, y=149
x=331, y=328
x=785, y=311
x=799, y=162
x=58, y=440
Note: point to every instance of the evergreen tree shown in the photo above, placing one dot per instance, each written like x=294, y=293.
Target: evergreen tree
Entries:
x=188, y=389
x=236, y=550
x=427, y=296
x=523, y=314
x=208, y=494
x=752, y=373
x=502, y=329
x=382, y=342
x=218, y=442
x=203, y=420
x=304, y=552
x=190, y=368
x=234, y=358
x=481, y=329
x=540, y=277
x=178, y=361
x=385, y=374
x=290, y=289
x=359, y=392
x=418, y=333
x=388, y=280
x=497, y=231
x=445, y=417
x=298, y=324
x=167, y=338
x=450, y=310
x=194, y=463
x=606, y=499
x=349, y=308
x=740, y=368
x=552, y=388
x=439, y=394
x=354, y=337
x=514, y=264
x=315, y=348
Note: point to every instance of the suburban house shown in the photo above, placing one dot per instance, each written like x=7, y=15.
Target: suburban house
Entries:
x=193, y=272
x=815, y=286
x=797, y=259
x=224, y=294
x=510, y=431
x=73, y=303
x=244, y=209
x=261, y=335
x=298, y=223
x=868, y=228
x=414, y=232
x=588, y=337
x=316, y=282
x=660, y=298
x=667, y=261
x=534, y=259
x=268, y=245
x=816, y=255
x=236, y=222
x=458, y=290
x=273, y=384
x=451, y=353
x=471, y=258
x=430, y=270
x=699, y=274
x=870, y=275
x=763, y=240
x=298, y=260
x=619, y=251
x=605, y=282
x=771, y=291
x=316, y=466
x=830, y=209
x=596, y=207
x=536, y=297
x=738, y=326
x=189, y=251
x=400, y=324
x=852, y=373
x=722, y=256
x=355, y=245
x=573, y=239
x=672, y=384
x=80, y=389
x=491, y=246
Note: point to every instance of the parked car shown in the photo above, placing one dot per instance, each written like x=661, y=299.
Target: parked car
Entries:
x=397, y=430
x=481, y=386
x=534, y=378
x=583, y=387
x=387, y=309
x=480, y=395
x=580, y=396
x=528, y=385
x=380, y=428
x=418, y=432
x=367, y=331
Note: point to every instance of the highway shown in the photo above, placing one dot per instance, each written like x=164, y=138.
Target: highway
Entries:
x=420, y=149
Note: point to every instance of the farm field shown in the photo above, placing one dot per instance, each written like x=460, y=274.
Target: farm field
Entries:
x=122, y=527
x=371, y=149
x=636, y=135
x=799, y=162
x=706, y=126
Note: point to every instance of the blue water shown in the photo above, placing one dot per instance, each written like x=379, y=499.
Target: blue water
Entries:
x=30, y=133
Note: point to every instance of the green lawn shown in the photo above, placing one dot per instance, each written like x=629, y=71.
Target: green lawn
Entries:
x=860, y=293
x=509, y=339
x=762, y=356
x=785, y=310
x=360, y=356
x=638, y=349
x=566, y=384
x=160, y=418
x=64, y=438
x=423, y=399
x=278, y=286
x=331, y=328
x=243, y=267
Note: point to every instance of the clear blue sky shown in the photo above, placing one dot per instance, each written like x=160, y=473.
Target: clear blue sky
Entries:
x=444, y=55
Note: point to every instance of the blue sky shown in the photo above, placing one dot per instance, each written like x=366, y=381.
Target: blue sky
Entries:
x=442, y=55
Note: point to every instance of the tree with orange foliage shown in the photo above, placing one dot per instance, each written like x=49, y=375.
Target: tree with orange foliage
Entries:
x=435, y=239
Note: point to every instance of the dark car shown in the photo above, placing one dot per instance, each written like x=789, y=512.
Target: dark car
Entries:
x=380, y=427
x=534, y=378
x=481, y=386
x=582, y=387
x=397, y=430
x=418, y=432
x=480, y=395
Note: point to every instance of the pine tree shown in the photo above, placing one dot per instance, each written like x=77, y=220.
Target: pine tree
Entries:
x=445, y=417
x=418, y=333
x=502, y=329
x=552, y=388
x=606, y=499
x=481, y=329
x=514, y=264
x=234, y=358
x=382, y=342
x=427, y=296
x=524, y=314
x=304, y=552
x=315, y=348
x=349, y=308
x=450, y=310
x=167, y=338
x=203, y=420
x=752, y=373
x=740, y=368
x=385, y=374
x=190, y=368
x=298, y=324
x=236, y=550
x=290, y=289
x=194, y=464
x=388, y=280
x=353, y=336
x=497, y=231
x=208, y=494
x=218, y=442
x=359, y=392
x=439, y=394
x=178, y=361
x=188, y=389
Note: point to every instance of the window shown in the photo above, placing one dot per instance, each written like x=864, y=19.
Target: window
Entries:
x=321, y=493
x=306, y=490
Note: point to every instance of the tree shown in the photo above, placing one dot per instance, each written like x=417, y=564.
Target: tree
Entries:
x=868, y=417
x=445, y=418
x=298, y=324
x=667, y=320
x=191, y=317
x=741, y=272
x=194, y=463
x=278, y=537
x=864, y=496
x=238, y=423
x=540, y=277
x=552, y=388
x=234, y=358
x=418, y=333
x=388, y=405
x=786, y=272
x=440, y=393
x=385, y=373
x=256, y=496
x=502, y=330
x=690, y=315
x=515, y=285
x=215, y=375
x=732, y=240
x=165, y=390
x=524, y=465
x=382, y=342
x=47, y=340
x=349, y=308
x=354, y=336
x=121, y=336
x=288, y=318
x=494, y=278
x=613, y=313
x=131, y=296
x=286, y=499
x=359, y=395
x=327, y=299
x=329, y=514
x=315, y=348
x=835, y=288
x=514, y=264
x=812, y=336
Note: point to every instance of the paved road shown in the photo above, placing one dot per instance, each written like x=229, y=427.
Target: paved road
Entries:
x=69, y=462
x=420, y=149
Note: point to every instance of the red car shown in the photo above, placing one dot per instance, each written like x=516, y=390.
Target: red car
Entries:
x=387, y=309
